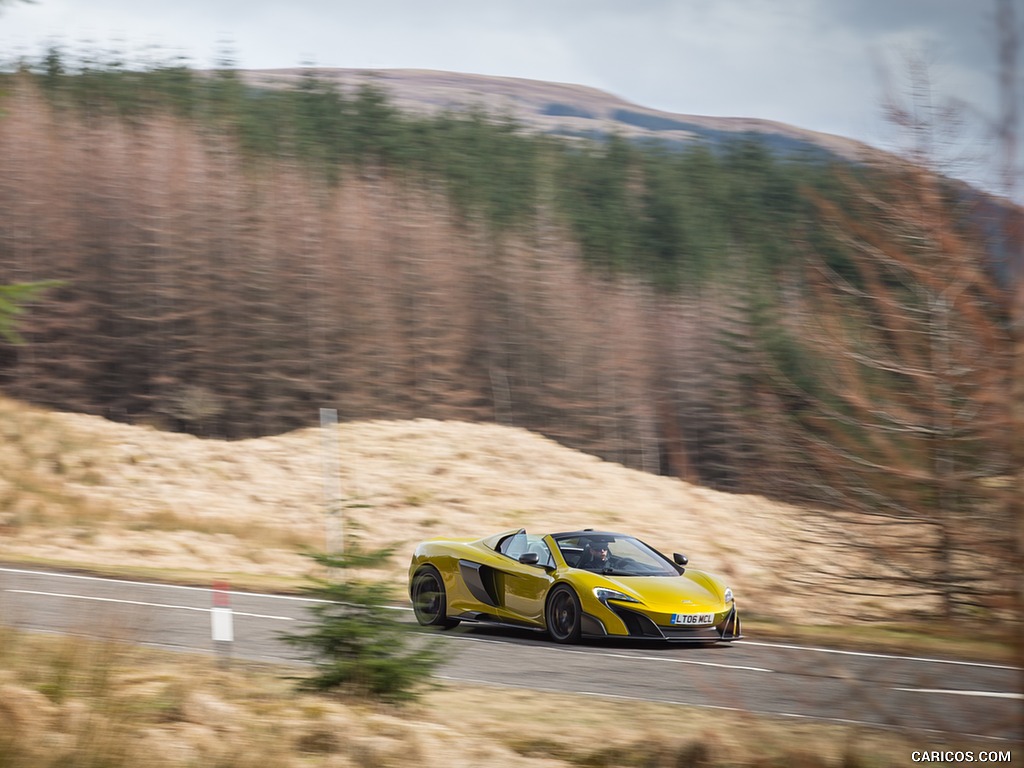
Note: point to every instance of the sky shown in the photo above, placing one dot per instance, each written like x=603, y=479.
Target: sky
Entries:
x=824, y=65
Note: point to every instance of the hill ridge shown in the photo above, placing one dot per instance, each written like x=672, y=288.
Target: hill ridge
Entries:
x=587, y=109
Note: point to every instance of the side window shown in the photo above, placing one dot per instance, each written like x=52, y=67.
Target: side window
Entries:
x=514, y=545
x=519, y=544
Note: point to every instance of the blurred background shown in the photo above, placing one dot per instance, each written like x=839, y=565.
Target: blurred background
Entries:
x=745, y=305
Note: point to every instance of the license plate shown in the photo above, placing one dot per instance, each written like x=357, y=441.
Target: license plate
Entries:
x=693, y=619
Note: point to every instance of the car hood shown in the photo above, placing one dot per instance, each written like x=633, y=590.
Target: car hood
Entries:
x=669, y=592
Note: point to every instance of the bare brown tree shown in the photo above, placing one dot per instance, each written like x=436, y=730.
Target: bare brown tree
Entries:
x=1010, y=93
x=911, y=420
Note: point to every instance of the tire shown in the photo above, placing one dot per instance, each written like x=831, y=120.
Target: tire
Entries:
x=429, y=601
x=563, y=614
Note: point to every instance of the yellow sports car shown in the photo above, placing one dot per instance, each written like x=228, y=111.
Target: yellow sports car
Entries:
x=577, y=584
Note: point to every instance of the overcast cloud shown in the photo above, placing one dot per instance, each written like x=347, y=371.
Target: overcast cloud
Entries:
x=816, y=64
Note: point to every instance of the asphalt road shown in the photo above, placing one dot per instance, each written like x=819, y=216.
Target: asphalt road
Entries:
x=940, y=698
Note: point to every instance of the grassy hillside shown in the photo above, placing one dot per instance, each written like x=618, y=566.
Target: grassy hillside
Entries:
x=86, y=492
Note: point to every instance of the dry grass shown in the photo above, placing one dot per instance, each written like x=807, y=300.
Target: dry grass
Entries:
x=70, y=701
x=82, y=491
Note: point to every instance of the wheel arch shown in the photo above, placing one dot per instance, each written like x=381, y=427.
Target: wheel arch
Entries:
x=441, y=618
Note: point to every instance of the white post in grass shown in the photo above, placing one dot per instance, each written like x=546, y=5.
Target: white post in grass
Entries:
x=331, y=449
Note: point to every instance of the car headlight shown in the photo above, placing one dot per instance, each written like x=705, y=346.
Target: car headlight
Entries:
x=728, y=594
x=603, y=594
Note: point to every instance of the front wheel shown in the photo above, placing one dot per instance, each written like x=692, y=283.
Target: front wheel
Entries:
x=429, y=602
x=563, y=615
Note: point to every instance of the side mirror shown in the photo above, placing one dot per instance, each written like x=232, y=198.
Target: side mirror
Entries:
x=529, y=558
x=680, y=559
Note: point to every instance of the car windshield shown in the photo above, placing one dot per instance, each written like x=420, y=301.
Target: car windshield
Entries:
x=612, y=554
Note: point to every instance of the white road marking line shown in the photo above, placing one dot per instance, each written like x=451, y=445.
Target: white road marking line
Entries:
x=109, y=580
x=985, y=694
x=671, y=660
x=611, y=655
x=139, y=602
x=872, y=655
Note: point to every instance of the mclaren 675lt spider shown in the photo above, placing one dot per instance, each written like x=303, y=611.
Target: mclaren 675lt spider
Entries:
x=576, y=584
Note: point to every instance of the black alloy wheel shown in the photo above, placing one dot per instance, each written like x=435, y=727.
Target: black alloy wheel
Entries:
x=428, y=599
x=563, y=615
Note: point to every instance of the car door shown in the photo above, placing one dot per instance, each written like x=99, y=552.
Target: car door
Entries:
x=525, y=585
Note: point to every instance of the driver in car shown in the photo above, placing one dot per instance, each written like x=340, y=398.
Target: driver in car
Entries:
x=595, y=556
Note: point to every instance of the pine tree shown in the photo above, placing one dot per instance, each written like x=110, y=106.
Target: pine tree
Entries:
x=357, y=643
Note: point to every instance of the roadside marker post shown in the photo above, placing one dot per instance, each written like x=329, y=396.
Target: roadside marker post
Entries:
x=222, y=622
x=334, y=534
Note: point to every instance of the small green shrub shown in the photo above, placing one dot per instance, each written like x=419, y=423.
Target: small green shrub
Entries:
x=357, y=642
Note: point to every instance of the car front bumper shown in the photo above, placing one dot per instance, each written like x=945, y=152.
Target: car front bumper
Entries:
x=635, y=624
